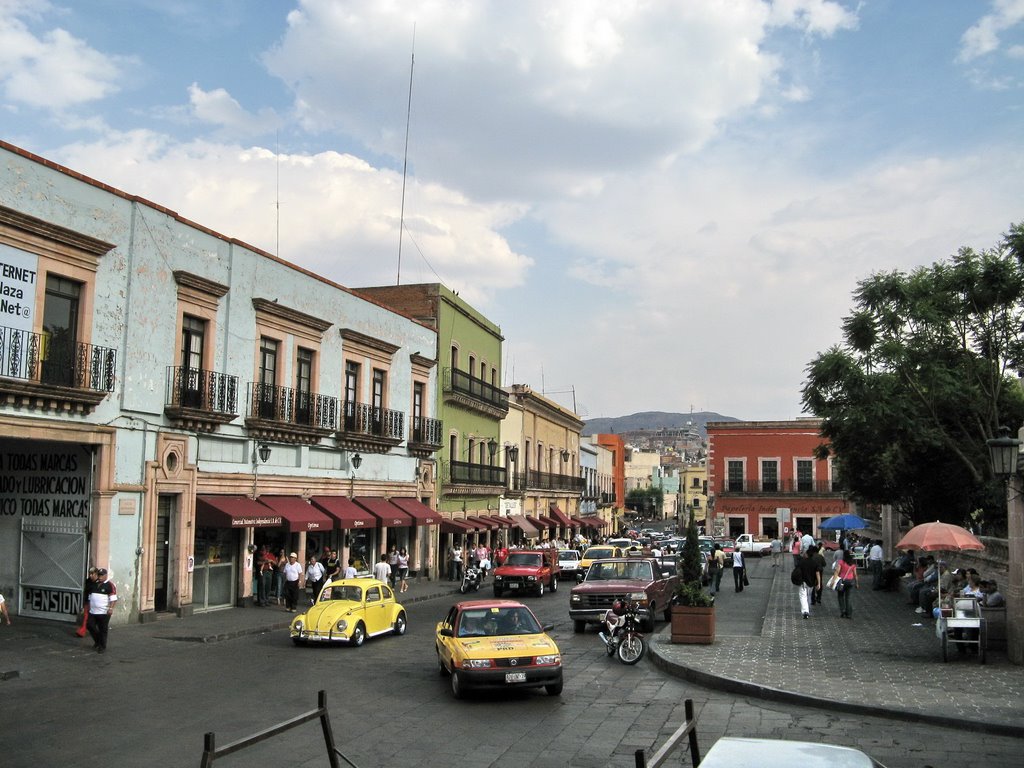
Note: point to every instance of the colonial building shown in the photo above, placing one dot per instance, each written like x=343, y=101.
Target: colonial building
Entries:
x=174, y=401
x=764, y=478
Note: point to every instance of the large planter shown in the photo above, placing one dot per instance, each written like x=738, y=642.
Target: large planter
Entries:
x=693, y=625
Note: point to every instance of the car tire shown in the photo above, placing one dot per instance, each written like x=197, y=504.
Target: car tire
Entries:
x=648, y=625
x=298, y=641
x=401, y=624
x=358, y=635
x=442, y=670
x=554, y=583
x=497, y=592
x=554, y=689
x=458, y=690
x=540, y=589
x=579, y=627
x=668, y=612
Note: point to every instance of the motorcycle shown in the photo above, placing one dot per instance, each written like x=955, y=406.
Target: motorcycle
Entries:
x=471, y=578
x=626, y=640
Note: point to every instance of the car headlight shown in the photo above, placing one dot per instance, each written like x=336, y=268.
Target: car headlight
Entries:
x=548, y=660
x=477, y=663
x=640, y=597
x=576, y=599
x=297, y=625
x=531, y=578
x=498, y=578
x=342, y=625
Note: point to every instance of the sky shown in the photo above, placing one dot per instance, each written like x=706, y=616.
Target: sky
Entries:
x=665, y=205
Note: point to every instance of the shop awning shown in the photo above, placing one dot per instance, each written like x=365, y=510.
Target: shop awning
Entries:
x=482, y=522
x=420, y=512
x=536, y=523
x=578, y=520
x=234, y=512
x=594, y=522
x=524, y=525
x=387, y=513
x=298, y=515
x=345, y=511
x=556, y=514
x=502, y=522
x=550, y=522
x=454, y=526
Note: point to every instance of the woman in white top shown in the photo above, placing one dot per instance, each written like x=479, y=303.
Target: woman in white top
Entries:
x=403, y=570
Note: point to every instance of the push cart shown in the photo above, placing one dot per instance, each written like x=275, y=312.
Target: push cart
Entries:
x=964, y=626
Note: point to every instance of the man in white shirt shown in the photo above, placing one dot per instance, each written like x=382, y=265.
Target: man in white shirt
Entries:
x=806, y=542
x=382, y=570
x=315, y=576
x=292, y=573
x=102, y=600
x=350, y=570
x=875, y=560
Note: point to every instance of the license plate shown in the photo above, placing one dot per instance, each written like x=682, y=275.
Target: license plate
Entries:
x=515, y=677
x=513, y=585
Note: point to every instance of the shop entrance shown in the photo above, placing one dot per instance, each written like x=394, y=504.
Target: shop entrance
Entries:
x=164, y=530
x=53, y=559
x=737, y=525
x=216, y=567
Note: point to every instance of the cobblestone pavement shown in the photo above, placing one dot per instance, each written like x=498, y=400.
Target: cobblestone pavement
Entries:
x=886, y=660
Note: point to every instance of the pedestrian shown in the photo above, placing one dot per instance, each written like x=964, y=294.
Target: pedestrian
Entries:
x=821, y=566
x=333, y=565
x=875, y=561
x=403, y=570
x=776, y=551
x=102, y=600
x=382, y=570
x=806, y=542
x=90, y=579
x=350, y=571
x=290, y=574
x=315, y=578
x=810, y=579
x=795, y=549
x=265, y=578
x=716, y=565
x=393, y=562
x=3, y=611
x=279, y=565
x=739, y=572
x=456, y=567
x=846, y=570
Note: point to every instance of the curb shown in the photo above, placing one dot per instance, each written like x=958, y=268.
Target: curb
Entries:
x=756, y=690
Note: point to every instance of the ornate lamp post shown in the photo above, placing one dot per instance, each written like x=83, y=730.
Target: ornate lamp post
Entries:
x=1004, y=453
x=260, y=455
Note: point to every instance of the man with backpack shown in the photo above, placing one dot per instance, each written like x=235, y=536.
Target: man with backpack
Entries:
x=807, y=578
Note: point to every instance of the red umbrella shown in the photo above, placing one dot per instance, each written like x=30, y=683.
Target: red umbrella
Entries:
x=939, y=536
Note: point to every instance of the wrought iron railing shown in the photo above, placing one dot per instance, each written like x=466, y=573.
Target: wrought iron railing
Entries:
x=478, y=389
x=787, y=486
x=425, y=430
x=292, y=406
x=48, y=358
x=363, y=419
x=201, y=389
x=549, y=481
x=466, y=473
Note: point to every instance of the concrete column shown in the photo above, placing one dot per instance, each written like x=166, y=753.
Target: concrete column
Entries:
x=890, y=531
x=1015, y=562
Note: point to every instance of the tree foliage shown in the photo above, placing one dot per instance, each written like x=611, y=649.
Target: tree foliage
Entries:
x=925, y=375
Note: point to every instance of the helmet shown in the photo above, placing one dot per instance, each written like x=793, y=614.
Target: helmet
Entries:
x=619, y=607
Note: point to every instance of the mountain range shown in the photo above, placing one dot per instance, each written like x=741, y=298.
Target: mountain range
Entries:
x=652, y=421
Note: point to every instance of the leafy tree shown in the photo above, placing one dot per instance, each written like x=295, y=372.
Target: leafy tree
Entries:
x=689, y=566
x=926, y=375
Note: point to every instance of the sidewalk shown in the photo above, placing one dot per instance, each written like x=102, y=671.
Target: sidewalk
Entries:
x=886, y=661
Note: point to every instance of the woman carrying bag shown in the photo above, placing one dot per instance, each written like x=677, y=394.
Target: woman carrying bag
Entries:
x=846, y=571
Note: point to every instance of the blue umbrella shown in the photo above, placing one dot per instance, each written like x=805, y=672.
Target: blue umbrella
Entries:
x=844, y=523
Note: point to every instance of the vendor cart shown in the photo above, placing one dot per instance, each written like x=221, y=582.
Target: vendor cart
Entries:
x=964, y=626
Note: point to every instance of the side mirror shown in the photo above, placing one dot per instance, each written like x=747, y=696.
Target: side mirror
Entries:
x=446, y=632
x=579, y=578
x=548, y=627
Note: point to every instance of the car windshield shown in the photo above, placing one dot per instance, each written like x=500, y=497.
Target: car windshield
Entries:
x=354, y=594
x=639, y=571
x=596, y=552
x=522, y=558
x=491, y=622
x=572, y=554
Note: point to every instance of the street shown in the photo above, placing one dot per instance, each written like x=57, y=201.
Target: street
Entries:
x=149, y=701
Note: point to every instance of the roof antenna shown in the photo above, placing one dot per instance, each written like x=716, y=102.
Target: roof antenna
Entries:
x=405, y=158
x=277, y=195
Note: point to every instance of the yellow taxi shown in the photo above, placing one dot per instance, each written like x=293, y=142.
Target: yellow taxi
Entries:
x=349, y=611
x=598, y=552
x=496, y=644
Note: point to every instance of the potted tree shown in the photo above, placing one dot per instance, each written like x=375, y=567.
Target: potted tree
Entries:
x=693, y=609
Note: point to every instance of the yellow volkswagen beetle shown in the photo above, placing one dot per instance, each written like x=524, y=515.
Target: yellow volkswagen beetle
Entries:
x=598, y=552
x=349, y=611
x=496, y=644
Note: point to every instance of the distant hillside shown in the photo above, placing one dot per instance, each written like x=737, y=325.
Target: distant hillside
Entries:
x=652, y=420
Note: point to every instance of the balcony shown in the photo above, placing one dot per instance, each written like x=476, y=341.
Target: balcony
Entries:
x=200, y=400
x=369, y=429
x=43, y=371
x=779, y=488
x=466, y=478
x=547, y=481
x=475, y=394
x=285, y=415
x=425, y=436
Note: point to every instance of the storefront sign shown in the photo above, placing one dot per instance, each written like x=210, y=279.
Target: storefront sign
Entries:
x=53, y=601
x=18, y=272
x=263, y=522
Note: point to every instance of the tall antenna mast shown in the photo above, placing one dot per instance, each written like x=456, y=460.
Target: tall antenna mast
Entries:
x=277, y=195
x=405, y=159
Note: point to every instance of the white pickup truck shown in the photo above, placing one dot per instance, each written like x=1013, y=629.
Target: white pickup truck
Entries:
x=748, y=545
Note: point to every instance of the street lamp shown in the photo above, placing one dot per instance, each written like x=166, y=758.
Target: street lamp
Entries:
x=260, y=454
x=1004, y=452
x=354, y=462
x=565, y=454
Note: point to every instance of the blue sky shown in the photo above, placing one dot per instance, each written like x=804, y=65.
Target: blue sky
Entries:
x=664, y=205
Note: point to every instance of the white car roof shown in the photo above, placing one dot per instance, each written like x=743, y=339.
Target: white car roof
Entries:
x=729, y=752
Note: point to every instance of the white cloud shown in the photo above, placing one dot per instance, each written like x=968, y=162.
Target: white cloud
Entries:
x=983, y=38
x=53, y=70
x=217, y=107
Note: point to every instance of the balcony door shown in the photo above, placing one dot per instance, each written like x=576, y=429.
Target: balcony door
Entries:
x=60, y=331
x=378, y=401
x=193, y=343
x=304, y=387
x=351, y=394
x=267, y=398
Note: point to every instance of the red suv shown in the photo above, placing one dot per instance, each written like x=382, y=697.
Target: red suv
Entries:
x=527, y=570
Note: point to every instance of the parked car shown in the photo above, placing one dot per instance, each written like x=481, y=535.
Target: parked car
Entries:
x=349, y=611
x=496, y=644
x=748, y=545
x=729, y=752
x=635, y=579
x=527, y=570
x=569, y=561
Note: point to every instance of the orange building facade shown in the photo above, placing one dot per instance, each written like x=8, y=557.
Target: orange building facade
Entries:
x=763, y=478
x=617, y=446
